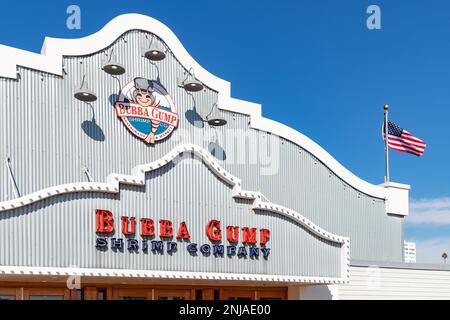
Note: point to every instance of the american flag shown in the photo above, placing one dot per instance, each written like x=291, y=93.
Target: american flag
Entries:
x=401, y=140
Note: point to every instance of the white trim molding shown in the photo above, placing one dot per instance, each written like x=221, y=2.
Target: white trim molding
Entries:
x=397, y=198
x=125, y=273
x=51, y=60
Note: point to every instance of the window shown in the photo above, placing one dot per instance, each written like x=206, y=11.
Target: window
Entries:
x=9, y=294
x=80, y=294
x=173, y=294
x=131, y=294
x=101, y=294
x=132, y=298
x=239, y=298
x=236, y=294
x=46, y=297
x=171, y=298
x=46, y=294
x=275, y=294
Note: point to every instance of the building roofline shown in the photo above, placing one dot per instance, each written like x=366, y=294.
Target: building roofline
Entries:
x=51, y=60
x=400, y=265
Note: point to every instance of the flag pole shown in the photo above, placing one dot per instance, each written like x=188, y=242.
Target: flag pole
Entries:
x=386, y=130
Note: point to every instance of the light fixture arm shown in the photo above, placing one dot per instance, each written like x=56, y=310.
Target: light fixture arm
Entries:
x=92, y=109
x=212, y=109
x=85, y=170
x=120, y=84
x=82, y=81
x=151, y=40
x=202, y=117
x=110, y=54
x=11, y=176
x=189, y=73
x=83, y=69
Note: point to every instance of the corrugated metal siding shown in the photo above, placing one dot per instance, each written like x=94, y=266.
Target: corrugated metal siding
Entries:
x=42, y=126
x=306, y=185
x=61, y=232
x=393, y=283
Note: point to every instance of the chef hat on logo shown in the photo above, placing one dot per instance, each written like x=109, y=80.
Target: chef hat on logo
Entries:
x=143, y=84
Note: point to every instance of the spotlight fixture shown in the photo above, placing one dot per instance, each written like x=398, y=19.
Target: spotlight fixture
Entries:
x=112, y=67
x=192, y=85
x=84, y=94
x=214, y=118
x=217, y=122
x=154, y=52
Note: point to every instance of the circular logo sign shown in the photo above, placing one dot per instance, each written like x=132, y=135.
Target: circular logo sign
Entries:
x=147, y=110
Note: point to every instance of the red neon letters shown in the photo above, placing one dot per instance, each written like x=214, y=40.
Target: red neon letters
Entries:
x=165, y=228
x=213, y=231
x=147, y=227
x=232, y=234
x=249, y=235
x=105, y=224
x=105, y=221
x=125, y=223
x=264, y=235
x=183, y=232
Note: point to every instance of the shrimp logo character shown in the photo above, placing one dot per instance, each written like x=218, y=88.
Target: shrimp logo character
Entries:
x=147, y=110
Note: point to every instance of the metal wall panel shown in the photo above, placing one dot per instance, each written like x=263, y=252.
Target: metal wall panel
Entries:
x=51, y=136
x=306, y=185
x=384, y=283
x=60, y=232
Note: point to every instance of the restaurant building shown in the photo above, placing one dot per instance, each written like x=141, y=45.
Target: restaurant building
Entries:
x=131, y=173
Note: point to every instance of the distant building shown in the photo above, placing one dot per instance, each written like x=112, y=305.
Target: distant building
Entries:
x=410, y=252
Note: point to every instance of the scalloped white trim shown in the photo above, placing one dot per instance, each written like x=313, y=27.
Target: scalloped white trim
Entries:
x=123, y=273
x=51, y=59
x=138, y=178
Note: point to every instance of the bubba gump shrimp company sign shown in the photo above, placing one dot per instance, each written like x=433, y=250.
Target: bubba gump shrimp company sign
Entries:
x=147, y=110
x=249, y=237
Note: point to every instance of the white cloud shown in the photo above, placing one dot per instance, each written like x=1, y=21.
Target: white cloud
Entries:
x=430, y=250
x=431, y=211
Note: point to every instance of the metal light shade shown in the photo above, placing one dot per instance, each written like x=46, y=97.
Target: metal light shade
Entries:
x=192, y=85
x=113, y=68
x=85, y=95
x=217, y=121
x=155, y=54
x=214, y=118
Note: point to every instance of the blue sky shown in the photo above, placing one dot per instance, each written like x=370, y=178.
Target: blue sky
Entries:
x=314, y=66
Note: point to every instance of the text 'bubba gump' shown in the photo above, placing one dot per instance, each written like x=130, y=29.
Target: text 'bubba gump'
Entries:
x=249, y=238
